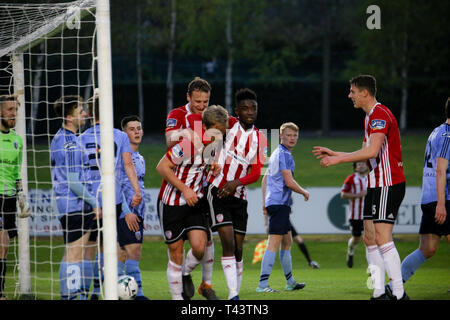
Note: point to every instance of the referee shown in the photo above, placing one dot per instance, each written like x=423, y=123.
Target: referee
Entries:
x=10, y=180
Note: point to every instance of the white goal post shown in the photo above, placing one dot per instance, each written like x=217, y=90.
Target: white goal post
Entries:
x=23, y=28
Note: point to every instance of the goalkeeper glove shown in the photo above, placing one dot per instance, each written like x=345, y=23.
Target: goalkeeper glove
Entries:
x=23, y=206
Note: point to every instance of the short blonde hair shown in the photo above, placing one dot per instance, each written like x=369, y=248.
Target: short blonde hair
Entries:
x=289, y=125
x=215, y=114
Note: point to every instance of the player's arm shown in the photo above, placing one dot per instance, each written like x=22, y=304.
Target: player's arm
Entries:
x=77, y=187
x=368, y=152
x=165, y=169
x=293, y=185
x=131, y=219
x=441, y=181
x=350, y=195
x=132, y=177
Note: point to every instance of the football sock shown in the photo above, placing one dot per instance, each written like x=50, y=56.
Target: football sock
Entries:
x=132, y=269
x=97, y=273
x=392, y=265
x=266, y=268
x=208, y=263
x=229, y=269
x=376, y=267
x=239, y=271
x=286, y=264
x=190, y=263
x=174, y=276
x=411, y=263
x=2, y=275
x=120, y=268
x=86, y=279
x=304, y=250
x=69, y=280
x=351, y=247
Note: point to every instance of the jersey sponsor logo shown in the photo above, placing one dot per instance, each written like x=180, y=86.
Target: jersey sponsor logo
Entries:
x=378, y=124
x=170, y=123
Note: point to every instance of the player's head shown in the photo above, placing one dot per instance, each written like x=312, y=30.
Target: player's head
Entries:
x=93, y=108
x=447, y=111
x=360, y=167
x=289, y=134
x=71, y=109
x=246, y=106
x=215, y=117
x=8, y=111
x=362, y=89
x=132, y=126
x=198, y=94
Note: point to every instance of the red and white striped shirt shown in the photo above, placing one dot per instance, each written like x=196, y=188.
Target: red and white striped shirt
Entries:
x=177, y=118
x=386, y=169
x=355, y=184
x=189, y=167
x=243, y=150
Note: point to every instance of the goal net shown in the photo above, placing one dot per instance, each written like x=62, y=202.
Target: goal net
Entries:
x=48, y=51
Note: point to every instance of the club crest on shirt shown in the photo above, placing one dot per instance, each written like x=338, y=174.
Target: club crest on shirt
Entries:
x=171, y=122
x=378, y=124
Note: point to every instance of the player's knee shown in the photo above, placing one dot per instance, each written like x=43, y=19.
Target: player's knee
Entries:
x=369, y=239
x=428, y=251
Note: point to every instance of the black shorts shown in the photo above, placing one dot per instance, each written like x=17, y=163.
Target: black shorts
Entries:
x=126, y=236
x=356, y=227
x=279, y=219
x=429, y=225
x=8, y=210
x=77, y=224
x=177, y=221
x=227, y=211
x=381, y=204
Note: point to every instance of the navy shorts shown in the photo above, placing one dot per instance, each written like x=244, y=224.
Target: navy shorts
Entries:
x=279, y=219
x=8, y=209
x=126, y=236
x=429, y=225
x=77, y=224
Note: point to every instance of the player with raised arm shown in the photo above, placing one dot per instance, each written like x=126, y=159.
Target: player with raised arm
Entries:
x=241, y=160
x=181, y=204
x=90, y=141
x=130, y=227
x=77, y=206
x=386, y=183
x=11, y=192
x=277, y=187
x=198, y=94
x=435, y=201
x=354, y=189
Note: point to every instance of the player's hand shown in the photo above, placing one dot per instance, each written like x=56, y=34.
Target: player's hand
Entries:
x=321, y=152
x=132, y=221
x=137, y=198
x=215, y=168
x=305, y=195
x=23, y=206
x=98, y=213
x=441, y=214
x=328, y=161
x=229, y=188
x=190, y=196
x=264, y=211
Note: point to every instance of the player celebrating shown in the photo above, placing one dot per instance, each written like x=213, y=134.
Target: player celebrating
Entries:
x=435, y=198
x=241, y=159
x=90, y=140
x=130, y=227
x=181, y=206
x=198, y=94
x=386, y=183
x=10, y=181
x=77, y=206
x=277, y=187
x=354, y=189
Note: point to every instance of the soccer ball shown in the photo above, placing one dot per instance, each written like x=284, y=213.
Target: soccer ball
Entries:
x=127, y=287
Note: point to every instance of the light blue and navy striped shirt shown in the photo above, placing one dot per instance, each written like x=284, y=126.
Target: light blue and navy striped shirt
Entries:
x=437, y=147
